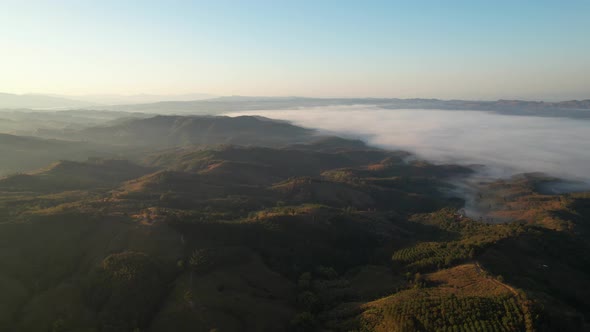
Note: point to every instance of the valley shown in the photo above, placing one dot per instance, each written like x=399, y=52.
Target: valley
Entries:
x=192, y=223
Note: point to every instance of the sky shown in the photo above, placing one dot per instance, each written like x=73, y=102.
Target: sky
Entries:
x=322, y=48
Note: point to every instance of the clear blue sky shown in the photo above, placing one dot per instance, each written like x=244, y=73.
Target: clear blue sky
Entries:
x=444, y=49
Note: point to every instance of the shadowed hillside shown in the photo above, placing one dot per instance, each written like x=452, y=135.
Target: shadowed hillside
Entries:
x=71, y=175
x=169, y=131
x=20, y=154
x=322, y=234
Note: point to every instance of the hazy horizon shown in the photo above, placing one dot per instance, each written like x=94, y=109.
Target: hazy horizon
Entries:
x=140, y=98
x=474, y=51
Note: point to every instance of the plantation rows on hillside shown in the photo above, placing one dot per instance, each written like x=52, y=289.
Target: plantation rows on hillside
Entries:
x=330, y=235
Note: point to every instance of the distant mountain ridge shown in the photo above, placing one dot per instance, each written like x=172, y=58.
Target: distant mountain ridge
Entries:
x=222, y=105
x=39, y=101
x=206, y=104
x=119, y=99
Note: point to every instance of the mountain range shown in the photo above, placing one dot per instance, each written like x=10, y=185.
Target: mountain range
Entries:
x=206, y=104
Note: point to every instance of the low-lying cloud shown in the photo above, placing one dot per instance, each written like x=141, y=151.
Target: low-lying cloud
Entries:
x=506, y=144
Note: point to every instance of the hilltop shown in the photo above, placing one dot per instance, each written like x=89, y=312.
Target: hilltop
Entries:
x=284, y=231
x=23, y=153
x=71, y=175
x=168, y=131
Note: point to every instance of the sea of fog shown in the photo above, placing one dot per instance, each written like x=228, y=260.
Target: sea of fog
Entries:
x=506, y=144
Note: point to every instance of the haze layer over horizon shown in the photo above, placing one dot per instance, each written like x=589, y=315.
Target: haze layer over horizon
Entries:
x=461, y=50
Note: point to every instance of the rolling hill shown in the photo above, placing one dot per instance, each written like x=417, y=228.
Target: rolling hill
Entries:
x=71, y=175
x=303, y=233
x=22, y=154
x=171, y=131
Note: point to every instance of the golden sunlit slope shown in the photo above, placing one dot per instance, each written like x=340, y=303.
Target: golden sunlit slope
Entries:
x=461, y=298
x=295, y=239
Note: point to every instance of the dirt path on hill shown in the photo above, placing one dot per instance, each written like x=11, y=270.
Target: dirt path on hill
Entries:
x=508, y=287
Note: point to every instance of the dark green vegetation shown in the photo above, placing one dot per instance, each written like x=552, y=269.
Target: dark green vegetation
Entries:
x=283, y=231
x=117, y=135
x=37, y=123
x=72, y=175
x=170, y=131
x=21, y=153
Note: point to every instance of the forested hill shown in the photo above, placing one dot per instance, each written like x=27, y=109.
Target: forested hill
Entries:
x=169, y=131
x=316, y=235
x=119, y=135
x=24, y=153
